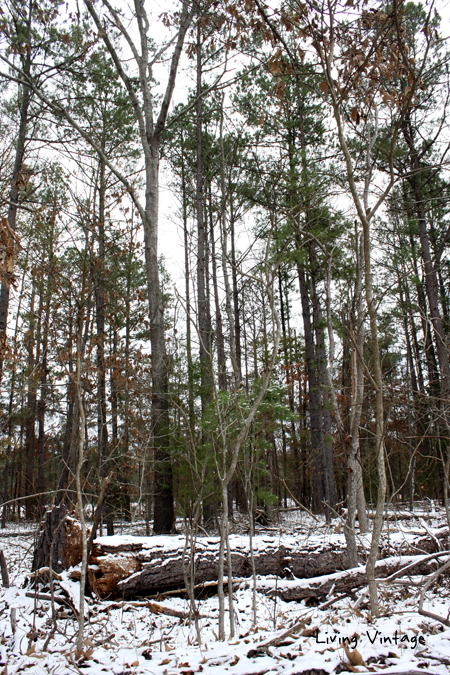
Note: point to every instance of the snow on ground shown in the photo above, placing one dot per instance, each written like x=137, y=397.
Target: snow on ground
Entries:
x=126, y=638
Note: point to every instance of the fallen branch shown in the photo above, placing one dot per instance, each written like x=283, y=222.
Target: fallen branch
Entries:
x=46, y=571
x=99, y=643
x=423, y=612
x=197, y=587
x=299, y=505
x=406, y=569
x=299, y=625
x=59, y=599
x=31, y=533
x=154, y=607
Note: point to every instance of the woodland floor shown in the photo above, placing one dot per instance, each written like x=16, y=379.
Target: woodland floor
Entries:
x=129, y=639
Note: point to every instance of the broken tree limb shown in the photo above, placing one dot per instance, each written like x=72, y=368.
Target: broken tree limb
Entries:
x=45, y=572
x=59, y=599
x=406, y=569
x=155, y=608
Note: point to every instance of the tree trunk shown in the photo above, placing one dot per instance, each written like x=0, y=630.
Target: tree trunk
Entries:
x=30, y=432
x=314, y=400
x=321, y=360
x=13, y=197
x=431, y=280
x=354, y=480
x=221, y=359
x=163, y=484
x=203, y=333
x=150, y=132
x=100, y=301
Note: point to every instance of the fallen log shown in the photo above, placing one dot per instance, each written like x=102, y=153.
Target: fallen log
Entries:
x=133, y=566
x=142, y=566
x=348, y=581
x=148, y=565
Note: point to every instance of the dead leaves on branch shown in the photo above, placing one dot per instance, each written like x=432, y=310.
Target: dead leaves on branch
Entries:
x=372, y=62
x=9, y=247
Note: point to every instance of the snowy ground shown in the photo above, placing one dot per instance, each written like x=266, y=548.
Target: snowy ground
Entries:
x=129, y=639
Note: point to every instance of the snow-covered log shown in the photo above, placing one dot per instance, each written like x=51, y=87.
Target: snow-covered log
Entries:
x=348, y=581
x=132, y=566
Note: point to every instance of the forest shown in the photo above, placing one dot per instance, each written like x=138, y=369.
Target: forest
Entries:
x=224, y=263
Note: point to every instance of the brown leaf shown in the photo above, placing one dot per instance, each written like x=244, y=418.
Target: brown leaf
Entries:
x=309, y=632
x=354, y=656
x=280, y=89
x=355, y=115
x=323, y=87
x=274, y=66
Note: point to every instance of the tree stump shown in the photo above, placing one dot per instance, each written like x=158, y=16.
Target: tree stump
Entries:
x=59, y=544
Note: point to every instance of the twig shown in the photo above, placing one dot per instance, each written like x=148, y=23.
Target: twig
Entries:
x=300, y=506
x=46, y=596
x=299, y=625
x=106, y=639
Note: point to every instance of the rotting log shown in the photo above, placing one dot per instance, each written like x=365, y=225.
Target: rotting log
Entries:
x=135, y=566
x=143, y=566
